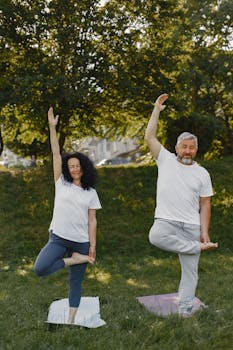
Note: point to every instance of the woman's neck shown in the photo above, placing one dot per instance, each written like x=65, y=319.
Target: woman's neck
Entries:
x=77, y=183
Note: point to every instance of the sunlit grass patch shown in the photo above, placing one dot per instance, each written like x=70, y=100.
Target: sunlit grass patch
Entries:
x=100, y=275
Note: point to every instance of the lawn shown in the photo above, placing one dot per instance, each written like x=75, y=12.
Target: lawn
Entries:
x=127, y=266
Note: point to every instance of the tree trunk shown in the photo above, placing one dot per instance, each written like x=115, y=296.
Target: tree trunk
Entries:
x=1, y=142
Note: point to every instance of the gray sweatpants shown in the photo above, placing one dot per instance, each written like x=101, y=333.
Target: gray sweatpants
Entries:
x=183, y=239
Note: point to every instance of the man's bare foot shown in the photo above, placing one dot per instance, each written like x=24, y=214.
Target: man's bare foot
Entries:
x=81, y=258
x=208, y=246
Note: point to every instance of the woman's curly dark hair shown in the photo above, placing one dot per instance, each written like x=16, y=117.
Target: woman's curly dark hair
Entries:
x=89, y=176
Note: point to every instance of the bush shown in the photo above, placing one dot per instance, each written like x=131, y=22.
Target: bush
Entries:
x=215, y=152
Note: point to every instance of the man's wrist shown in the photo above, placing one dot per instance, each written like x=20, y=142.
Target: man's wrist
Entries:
x=156, y=111
x=205, y=235
x=156, y=105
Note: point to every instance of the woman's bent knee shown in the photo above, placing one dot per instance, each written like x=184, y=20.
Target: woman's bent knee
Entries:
x=40, y=271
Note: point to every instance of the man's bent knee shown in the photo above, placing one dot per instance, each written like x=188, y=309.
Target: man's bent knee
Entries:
x=153, y=237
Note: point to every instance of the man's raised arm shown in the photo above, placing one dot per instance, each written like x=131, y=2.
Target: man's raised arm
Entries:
x=151, y=130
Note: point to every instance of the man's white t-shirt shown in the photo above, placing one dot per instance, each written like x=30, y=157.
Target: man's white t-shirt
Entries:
x=179, y=188
x=70, y=213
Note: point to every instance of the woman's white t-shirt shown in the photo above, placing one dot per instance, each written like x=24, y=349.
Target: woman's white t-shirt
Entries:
x=70, y=213
x=179, y=188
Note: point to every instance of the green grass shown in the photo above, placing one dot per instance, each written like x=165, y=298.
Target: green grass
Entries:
x=127, y=266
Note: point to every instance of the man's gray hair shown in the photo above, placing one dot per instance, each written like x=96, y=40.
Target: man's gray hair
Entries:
x=186, y=136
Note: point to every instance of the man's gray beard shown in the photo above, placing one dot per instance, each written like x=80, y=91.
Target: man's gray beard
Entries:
x=186, y=161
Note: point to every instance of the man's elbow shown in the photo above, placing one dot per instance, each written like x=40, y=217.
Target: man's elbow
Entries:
x=147, y=139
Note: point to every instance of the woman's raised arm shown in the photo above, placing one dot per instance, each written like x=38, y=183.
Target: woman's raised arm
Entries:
x=57, y=161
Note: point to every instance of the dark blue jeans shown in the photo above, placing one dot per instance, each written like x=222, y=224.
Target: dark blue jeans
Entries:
x=50, y=260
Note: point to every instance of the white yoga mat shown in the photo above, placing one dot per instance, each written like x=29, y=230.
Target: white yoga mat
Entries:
x=88, y=314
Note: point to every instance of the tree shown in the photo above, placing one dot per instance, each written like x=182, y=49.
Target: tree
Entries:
x=54, y=57
x=95, y=63
x=102, y=66
x=206, y=101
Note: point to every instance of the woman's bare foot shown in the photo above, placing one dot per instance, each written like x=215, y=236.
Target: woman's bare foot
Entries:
x=208, y=246
x=72, y=313
x=78, y=258
x=81, y=258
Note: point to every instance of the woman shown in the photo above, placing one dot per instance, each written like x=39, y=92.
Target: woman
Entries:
x=72, y=232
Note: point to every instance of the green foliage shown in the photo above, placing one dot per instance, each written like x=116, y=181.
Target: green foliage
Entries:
x=127, y=266
x=102, y=66
x=215, y=152
x=205, y=70
x=203, y=126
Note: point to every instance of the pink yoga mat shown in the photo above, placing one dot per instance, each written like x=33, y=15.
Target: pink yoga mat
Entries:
x=166, y=304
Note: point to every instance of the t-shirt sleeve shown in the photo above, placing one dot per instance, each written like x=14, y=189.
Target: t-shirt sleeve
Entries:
x=59, y=182
x=206, y=188
x=163, y=155
x=95, y=202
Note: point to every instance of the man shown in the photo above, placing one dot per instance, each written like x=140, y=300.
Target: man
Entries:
x=183, y=209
